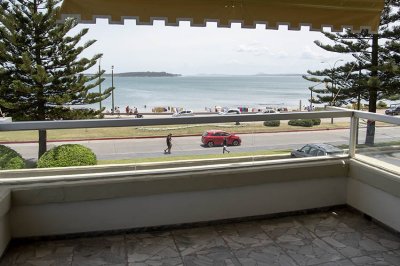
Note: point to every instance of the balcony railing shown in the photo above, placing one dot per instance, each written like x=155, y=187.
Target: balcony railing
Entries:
x=353, y=116
x=45, y=202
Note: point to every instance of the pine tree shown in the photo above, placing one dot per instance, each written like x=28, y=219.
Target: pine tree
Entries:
x=373, y=75
x=41, y=71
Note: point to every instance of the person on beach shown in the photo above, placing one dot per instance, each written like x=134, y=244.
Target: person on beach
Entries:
x=169, y=144
x=225, y=148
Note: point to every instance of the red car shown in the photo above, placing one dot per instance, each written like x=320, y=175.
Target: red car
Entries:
x=213, y=138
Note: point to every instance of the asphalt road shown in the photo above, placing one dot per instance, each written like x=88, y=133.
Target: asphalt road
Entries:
x=154, y=147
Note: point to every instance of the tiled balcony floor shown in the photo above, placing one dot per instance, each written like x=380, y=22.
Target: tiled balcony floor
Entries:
x=342, y=237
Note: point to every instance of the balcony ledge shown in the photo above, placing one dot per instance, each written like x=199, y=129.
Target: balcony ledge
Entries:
x=100, y=186
x=188, y=192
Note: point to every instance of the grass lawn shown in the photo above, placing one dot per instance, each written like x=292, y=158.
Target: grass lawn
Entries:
x=176, y=130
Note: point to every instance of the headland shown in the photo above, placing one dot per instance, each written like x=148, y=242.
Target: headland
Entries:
x=149, y=74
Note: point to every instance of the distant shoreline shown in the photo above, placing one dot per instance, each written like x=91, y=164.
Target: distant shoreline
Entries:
x=146, y=74
x=166, y=74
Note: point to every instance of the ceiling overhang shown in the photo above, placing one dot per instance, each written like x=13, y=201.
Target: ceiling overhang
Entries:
x=316, y=14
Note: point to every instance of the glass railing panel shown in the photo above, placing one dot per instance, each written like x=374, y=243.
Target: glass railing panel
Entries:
x=290, y=137
x=22, y=142
x=139, y=143
x=379, y=142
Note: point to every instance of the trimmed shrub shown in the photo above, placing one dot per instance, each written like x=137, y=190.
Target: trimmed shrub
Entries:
x=10, y=159
x=67, y=155
x=382, y=105
x=272, y=123
x=301, y=122
x=316, y=121
x=159, y=109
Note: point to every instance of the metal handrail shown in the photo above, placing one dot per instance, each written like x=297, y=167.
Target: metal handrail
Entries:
x=377, y=117
x=129, y=122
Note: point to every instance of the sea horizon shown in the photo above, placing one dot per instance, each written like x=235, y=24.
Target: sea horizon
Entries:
x=200, y=74
x=200, y=92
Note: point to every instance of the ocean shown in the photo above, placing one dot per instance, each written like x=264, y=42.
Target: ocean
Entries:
x=198, y=92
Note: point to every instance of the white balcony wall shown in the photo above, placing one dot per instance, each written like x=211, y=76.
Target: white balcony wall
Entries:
x=375, y=192
x=65, y=201
x=176, y=198
x=5, y=232
x=171, y=196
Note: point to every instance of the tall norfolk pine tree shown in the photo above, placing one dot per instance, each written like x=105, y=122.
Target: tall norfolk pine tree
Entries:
x=373, y=75
x=41, y=73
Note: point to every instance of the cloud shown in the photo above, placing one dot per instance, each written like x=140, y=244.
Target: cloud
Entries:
x=256, y=49
x=259, y=49
x=282, y=54
x=233, y=62
x=322, y=55
x=309, y=54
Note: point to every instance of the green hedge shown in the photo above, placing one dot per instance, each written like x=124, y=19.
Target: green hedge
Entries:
x=272, y=123
x=382, y=105
x=316, y=121
x=67, y=155
x=301, y=122
x=10, y=159
x=305, y=122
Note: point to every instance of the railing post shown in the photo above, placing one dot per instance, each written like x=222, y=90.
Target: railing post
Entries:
x=353, y=135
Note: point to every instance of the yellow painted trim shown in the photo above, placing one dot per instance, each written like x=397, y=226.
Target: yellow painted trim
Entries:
x=337, y=14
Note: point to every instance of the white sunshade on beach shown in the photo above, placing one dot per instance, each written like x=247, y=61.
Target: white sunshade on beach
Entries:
x=317, y=14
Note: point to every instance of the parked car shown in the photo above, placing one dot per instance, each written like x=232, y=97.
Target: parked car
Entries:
x=395, y=110
x=283, y=109
x=311, y=150
x=230, y=112
x=213, y=138
x=267, y=111
x=184, y=113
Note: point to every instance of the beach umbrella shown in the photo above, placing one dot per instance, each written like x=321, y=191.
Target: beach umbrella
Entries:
x=317, y=14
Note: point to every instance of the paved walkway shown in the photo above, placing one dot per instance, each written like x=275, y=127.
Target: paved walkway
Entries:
x=342, y=237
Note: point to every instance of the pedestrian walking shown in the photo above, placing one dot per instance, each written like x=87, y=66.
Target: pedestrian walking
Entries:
x=225, y=148
x=169, y=144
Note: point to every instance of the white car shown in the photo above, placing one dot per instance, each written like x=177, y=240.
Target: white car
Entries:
x=268, y=111
x=230, y=112
x=184, y=113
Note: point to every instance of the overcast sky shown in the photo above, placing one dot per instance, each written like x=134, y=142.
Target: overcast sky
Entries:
x=206, y=50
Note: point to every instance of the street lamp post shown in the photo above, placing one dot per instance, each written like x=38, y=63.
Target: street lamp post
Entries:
x=112, y=92
x=100, y=82
x=311, y=92
x=333, y=82
x=311, y=99
x=359, y=92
